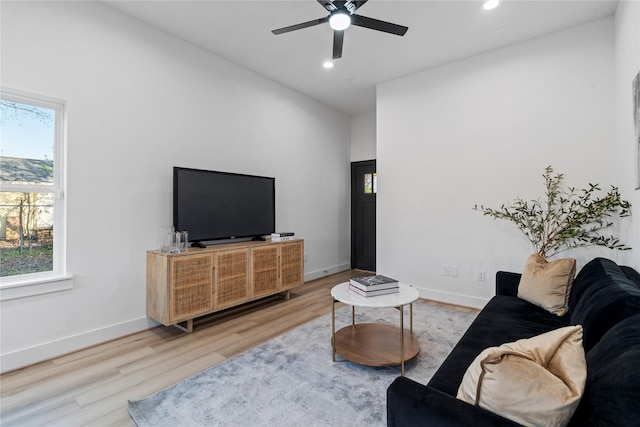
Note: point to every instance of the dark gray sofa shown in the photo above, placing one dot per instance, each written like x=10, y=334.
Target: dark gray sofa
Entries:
x=604, y=299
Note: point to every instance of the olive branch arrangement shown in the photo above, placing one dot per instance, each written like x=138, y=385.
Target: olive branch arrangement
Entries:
x=568, y=218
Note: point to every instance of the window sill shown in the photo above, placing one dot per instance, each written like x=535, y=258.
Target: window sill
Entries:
x=34, y=284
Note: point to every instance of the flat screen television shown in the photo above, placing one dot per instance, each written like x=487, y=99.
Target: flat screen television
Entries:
x=216, y=206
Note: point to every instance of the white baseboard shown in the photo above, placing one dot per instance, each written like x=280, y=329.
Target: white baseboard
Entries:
x=326, y=271
x=449, y=298
x=28, y=356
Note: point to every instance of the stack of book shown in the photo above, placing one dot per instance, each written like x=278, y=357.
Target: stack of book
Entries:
x=282, y=237
x=370, y=286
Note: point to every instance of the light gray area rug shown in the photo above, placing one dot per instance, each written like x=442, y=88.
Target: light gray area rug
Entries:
x=292, y=380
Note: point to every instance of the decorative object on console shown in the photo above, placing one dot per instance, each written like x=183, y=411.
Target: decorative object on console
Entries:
x=283, y=237
x=568, y=218
x=173, y=241
x=547, y=284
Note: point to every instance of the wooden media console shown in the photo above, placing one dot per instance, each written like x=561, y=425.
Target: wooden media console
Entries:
x=186, y=285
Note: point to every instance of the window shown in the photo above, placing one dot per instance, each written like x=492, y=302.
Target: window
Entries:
x=370, y=183
x=31, y=194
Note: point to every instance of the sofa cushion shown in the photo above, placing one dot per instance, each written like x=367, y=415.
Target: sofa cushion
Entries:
x=547, y=283
x=536, y=381
x=589, y=275
x=602, y=297
x=612, y=392
x=503, y=319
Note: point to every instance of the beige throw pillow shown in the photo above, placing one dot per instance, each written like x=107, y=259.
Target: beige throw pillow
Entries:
x=547, y=284
x=537, y=381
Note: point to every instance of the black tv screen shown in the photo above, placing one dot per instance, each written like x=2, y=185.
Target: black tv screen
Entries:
x=213, y=205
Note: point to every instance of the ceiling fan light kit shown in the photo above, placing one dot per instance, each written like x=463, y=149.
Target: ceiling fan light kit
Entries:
x=340, y=21
x=341, y=16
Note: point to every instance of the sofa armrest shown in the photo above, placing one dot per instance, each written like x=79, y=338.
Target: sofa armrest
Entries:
x=507, y=283
x=413, y=404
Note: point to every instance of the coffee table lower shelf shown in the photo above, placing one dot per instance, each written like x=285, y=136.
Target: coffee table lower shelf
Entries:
x=373, y=344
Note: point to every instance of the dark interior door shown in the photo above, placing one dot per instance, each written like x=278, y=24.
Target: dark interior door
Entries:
x=363, y=215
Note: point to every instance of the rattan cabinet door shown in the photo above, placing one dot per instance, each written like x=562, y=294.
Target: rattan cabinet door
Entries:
x=264, y=270
x=292, y=264
x=231, y=277
x=191, y=286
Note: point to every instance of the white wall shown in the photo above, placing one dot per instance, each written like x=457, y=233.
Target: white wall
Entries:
x=627, y=66
x=363, y=137
x=140, y=102
x=482, y=130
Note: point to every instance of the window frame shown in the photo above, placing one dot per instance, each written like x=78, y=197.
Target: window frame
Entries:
x=57, y=279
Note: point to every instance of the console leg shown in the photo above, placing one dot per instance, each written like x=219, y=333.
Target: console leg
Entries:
x=186, y=326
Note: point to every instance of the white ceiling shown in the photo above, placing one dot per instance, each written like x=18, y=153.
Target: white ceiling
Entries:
x=439, y=32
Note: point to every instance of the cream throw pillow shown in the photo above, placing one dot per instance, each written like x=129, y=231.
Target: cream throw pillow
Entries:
x=547, y=284
x=537, y=381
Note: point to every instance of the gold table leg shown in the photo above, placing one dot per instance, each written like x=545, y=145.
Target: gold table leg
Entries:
x=411, y=318
x=402, y=340
x=333, y=328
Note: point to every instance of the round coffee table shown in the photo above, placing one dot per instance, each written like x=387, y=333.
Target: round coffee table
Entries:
x=374, y=344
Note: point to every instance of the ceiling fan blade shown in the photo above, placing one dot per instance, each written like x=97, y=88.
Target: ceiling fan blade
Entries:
x=376, y=24
x=338, y=38
x=300, y=26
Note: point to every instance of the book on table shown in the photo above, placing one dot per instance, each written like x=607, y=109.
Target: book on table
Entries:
x=365, y=294
x=374, y=283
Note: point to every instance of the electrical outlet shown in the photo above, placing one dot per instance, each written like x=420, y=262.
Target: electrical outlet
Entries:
x=450, y=270
x=481, y=276
x=453, y=270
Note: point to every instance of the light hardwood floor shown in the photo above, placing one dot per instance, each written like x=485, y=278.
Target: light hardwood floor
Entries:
x=91, y=387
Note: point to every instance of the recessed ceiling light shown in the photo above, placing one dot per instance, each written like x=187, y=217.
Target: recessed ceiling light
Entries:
x=490, y=4
x=339, y=21
x=327, y=64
